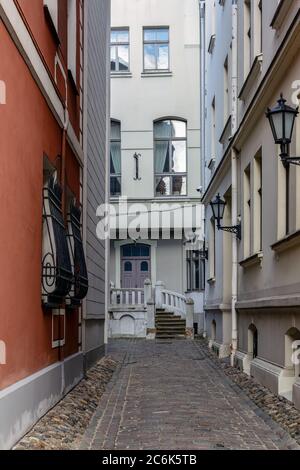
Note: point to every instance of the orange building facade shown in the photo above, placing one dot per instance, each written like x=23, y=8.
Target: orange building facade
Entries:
x=41, y=144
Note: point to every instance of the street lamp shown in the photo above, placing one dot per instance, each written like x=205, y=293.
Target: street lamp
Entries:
x=218, y=207
x=282, y=120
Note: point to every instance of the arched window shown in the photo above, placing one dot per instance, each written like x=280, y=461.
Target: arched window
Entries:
x=144, y=266
x=170, y=157
x=252, y=341
x=128, y=266
x=115, y=158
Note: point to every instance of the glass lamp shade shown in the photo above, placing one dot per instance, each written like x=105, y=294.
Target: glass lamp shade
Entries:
x=282, y=119
x=218, y=207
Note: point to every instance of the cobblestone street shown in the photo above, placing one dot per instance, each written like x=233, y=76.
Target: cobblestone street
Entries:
x=170, y=395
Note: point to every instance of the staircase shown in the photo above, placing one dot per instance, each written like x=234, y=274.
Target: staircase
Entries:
x=168, y=325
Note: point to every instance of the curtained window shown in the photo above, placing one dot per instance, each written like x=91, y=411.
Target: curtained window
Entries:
x=195, y=266
x=170, y=158
x=115, y=158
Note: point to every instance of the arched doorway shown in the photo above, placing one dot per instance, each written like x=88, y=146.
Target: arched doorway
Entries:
x=213, y=330
x=252, y=341
x=292, y=346
x=135, y=265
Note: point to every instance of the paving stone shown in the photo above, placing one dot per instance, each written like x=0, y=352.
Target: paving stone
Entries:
x=176, y=395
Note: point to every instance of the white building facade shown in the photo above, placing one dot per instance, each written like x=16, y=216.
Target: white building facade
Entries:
x=155, y=145
x=250, y=56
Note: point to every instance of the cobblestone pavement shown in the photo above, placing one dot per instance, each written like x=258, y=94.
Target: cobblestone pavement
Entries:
x=64, y=425
x=170, y=395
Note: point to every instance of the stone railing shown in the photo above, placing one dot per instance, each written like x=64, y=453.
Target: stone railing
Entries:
x=170, y=300
x=141, y=303
x=131, y=296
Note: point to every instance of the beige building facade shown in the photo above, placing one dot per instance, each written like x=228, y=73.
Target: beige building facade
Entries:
x=252, y=304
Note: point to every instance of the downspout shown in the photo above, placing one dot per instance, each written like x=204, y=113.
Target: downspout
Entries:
x=234, y=183
x=202, y=120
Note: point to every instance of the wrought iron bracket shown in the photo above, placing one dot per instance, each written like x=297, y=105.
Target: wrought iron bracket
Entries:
x=290, y=160
x=136, y=156
x=236, y=229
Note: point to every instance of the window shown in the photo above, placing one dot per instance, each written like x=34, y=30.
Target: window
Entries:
x=115, y=158
x=51, y=6
x=247, y=36
x=257, y=218
x=212, y=248
x=119, y=50
x=136, y=251
x=144, y=266
x=195, y=271
x=226, y=91
x=170, y=158
x=213, y=128
x=247, y=211
x=252, y=341
x=260, y=25
x=156, y=49
x=72, y=39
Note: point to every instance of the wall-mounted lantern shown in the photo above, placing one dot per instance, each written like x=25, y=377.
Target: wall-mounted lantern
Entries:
x=282, y=119
x=218, y=207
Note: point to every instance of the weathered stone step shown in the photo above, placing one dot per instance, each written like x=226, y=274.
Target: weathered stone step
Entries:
x=170, y=322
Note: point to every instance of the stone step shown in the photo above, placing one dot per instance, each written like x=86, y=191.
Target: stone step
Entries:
x=169, y=336
x=170, y=322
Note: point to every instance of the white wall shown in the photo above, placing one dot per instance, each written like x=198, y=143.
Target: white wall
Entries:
x=138, y=100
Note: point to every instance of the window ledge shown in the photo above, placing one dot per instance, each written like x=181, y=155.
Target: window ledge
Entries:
x=251, y=77
x=121, y=74
x=212, y=43
x=211, y=281
x=253, y=260
x=291, y=240
x=280, y=13
x=168, y=73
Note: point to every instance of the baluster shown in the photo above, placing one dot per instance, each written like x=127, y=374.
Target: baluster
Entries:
x=133, y=297
x=127, y=297
x=139, y=297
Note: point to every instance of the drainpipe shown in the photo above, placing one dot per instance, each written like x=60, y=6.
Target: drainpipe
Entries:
x=202, y=118
x=234, y=189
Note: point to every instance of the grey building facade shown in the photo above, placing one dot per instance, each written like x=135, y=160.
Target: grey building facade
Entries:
x=96, y=135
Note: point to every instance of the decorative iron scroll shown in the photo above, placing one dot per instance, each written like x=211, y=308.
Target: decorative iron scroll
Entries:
x=56, y=264
x=80, y=283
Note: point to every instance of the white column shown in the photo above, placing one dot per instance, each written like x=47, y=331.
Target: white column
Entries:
x=147, y=291
x=190, y=318
x=159, y=287
x=151, y=319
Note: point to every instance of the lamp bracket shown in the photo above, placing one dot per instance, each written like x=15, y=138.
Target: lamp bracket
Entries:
x=290, y=160
x=236, y=229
